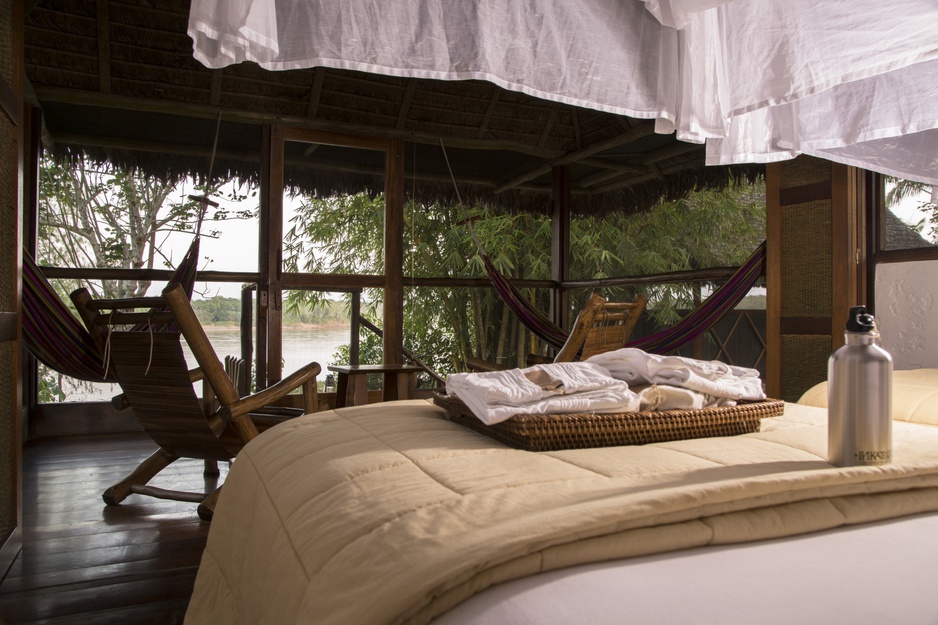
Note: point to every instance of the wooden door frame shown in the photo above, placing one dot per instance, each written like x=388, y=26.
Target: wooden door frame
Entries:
x=270, y=291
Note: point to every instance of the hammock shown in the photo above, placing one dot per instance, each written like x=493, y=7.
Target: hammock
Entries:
x=695, y=324
x=57, y=339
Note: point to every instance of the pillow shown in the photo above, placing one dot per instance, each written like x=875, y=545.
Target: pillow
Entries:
x=914, y=396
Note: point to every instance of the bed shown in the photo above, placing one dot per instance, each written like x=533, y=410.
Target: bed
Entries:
x=390, y=513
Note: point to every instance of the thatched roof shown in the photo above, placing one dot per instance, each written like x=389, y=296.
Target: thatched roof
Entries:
x=118, y=81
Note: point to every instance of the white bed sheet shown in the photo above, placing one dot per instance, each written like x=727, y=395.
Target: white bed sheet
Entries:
x=878, y=573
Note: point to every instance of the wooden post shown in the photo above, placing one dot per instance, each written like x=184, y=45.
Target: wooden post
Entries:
x=394, y=254
x=263, y=253
x=11, y=217
x=773, y=280
x=247, y=325
x=271, y=260
x=354, y=346
x=560, y=243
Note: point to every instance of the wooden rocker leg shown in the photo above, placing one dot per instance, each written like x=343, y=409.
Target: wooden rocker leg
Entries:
x=158, y=461
x=211, y=469
x=207, y=507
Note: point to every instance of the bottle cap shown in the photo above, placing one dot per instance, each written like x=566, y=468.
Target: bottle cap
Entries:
x=860, y=320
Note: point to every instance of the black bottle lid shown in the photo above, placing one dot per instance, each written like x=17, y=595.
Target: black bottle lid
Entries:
x=860, y=320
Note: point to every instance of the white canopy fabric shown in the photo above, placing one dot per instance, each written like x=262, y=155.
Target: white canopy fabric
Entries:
x=853, y=81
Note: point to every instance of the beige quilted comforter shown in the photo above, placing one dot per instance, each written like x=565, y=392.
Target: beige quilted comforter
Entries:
x=389, y=513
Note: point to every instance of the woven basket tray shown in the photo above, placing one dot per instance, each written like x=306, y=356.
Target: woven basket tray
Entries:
x=576, y=431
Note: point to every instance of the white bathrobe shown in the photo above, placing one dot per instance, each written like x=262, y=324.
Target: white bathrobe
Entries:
x=724, y=384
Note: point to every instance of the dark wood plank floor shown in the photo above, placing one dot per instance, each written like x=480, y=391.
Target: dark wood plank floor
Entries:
x=87, y=563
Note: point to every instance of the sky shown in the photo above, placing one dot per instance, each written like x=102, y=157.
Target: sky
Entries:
x=234, y=250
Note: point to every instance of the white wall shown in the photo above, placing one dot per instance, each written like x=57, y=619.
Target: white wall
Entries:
x=907, y=312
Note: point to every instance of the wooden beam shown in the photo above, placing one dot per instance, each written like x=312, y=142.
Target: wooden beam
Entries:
x=560, y=243
x=263, y=238
x=97, y=273
x=548, y=126
x=773, y=279
x=274, y=259
x=845, y=249
x=254, y=157
x=642, y=130
x=189, y=109
x=489, y=111
x=657, y=172
x=315, y=91
x=713, y=274
x=393, y=340
x=215, y=90
x=405, y=103
x=104, y=45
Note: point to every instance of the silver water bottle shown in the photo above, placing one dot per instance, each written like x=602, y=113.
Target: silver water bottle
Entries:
x=859, y=386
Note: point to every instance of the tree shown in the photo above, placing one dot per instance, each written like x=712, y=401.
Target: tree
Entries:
x=100, y=215
x=906, y=189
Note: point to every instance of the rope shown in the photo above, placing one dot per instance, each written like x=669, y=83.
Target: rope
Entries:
x=204, y=201
x=107, y=345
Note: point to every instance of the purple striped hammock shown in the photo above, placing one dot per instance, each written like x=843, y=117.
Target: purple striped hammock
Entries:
x=57, y=339
x=697, y=322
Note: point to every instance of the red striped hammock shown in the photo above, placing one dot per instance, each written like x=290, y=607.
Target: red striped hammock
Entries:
x=694, y=324
x=57, y=339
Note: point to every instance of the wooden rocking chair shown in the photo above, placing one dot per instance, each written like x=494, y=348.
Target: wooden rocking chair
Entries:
x=600, y=327
x=152, y=372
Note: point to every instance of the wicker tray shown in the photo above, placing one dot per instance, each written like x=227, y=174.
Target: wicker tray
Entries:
x=576, y=431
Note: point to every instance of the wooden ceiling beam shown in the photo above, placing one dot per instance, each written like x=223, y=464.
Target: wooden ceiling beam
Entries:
x=645, y=164
x=104, y=46
x=215, y=93
x=489, y=111
x=405, y=104
x=638, y=132
x=315, y=92
x=203, y=111
x=254, y=157
x=548, y=126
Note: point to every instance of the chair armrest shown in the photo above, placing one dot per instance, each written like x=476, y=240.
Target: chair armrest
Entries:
x=196, y=374
x=306, y=376
x=477, y=364
x=536, y=359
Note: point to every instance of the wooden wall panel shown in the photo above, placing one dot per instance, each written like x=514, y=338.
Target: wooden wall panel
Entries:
x=815, y=227
x=11, y=216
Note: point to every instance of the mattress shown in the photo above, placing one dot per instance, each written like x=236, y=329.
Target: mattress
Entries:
x=389, y=513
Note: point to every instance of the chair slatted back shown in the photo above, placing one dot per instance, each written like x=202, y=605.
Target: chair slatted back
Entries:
x=155, y=378
x=601, y=326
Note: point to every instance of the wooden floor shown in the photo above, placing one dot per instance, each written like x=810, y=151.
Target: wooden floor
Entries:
x=90, y=564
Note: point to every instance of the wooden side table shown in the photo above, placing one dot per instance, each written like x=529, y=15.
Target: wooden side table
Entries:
x=352, y=387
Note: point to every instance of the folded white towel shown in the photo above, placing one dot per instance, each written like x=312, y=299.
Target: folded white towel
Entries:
x=724, y=383
x=495, y=396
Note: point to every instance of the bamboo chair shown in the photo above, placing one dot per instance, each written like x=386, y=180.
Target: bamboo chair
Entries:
x=600, y=326
x=153, y=374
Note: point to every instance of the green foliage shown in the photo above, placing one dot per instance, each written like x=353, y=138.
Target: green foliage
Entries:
x=444, y=326
x=904, y=189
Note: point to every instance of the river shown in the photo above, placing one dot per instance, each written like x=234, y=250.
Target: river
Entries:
x=301, y=345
